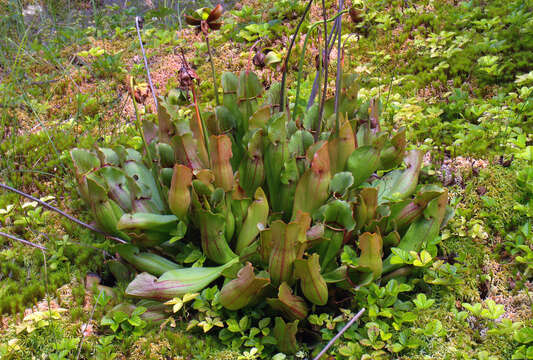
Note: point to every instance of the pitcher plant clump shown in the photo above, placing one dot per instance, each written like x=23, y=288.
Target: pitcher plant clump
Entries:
x=284, y=219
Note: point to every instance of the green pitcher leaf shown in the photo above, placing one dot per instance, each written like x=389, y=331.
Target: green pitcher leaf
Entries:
x=220, y=147
x=241, y=291
x=368, y=203
x=275, y=155
x=363, y=162
x=259, y=119
x=145, y=261
x=108, y=156
x=165, y=154
x=394, y=151
x=371, y=246
x=288, y=240
x=312, y=189
x=117, y=184
x=252, y=168
x=106, y=212
x=400, y=184
x=212, y=230
x=239, y=209
x=341, y=147
x=256, y=219
x=179, y=195
x=313, y=285
x=422, y=231
x=285, y=334
x=248, y=92
x=143, y=177
x=175, y=283
x=337, y=213
x=84, y=161
x=148, y=221
x=341, y=182
x=291, y=306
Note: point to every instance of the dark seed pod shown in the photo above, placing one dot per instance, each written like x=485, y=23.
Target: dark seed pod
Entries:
x=186, y=76
x=355, y=15
x=259, y=59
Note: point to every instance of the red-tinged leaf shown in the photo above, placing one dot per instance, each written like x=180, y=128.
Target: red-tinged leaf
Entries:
x=260, y=118
x=207, y=177
x=340, y=148
x=186, y=149
x=291, y=306
x=241, y=291
x=147, y=286
x=406, y=212
x=221, y=155
x=287, y=242
x=192, y=21
x=176, y=282
x=371, y=246
x=215, y=25
x=313, y=285
x=167, y=130
x=215, y=14
x=312, y=189
x=179, y=196
x=303, y=220
x=283, y=253
x=366, y=210
x=265, y=245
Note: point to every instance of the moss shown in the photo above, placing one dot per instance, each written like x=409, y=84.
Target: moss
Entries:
x=496, y=205
x=40, y=341
x=460, y=339
x=493, y=211
x=205, y=347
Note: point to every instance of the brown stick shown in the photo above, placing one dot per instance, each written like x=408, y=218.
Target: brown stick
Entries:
x=60, y=212
x=343, y=330
x=22, y=241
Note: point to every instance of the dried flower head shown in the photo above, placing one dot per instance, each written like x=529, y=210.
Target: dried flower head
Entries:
x=206, y=19
x=186, y=75
x=356, y=15
x=259, y=59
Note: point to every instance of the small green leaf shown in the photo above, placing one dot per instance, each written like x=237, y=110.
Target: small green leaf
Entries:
x=341, y=182
x=422, y=302
x=524, y=335
x=139, y=310
x=120, y=316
